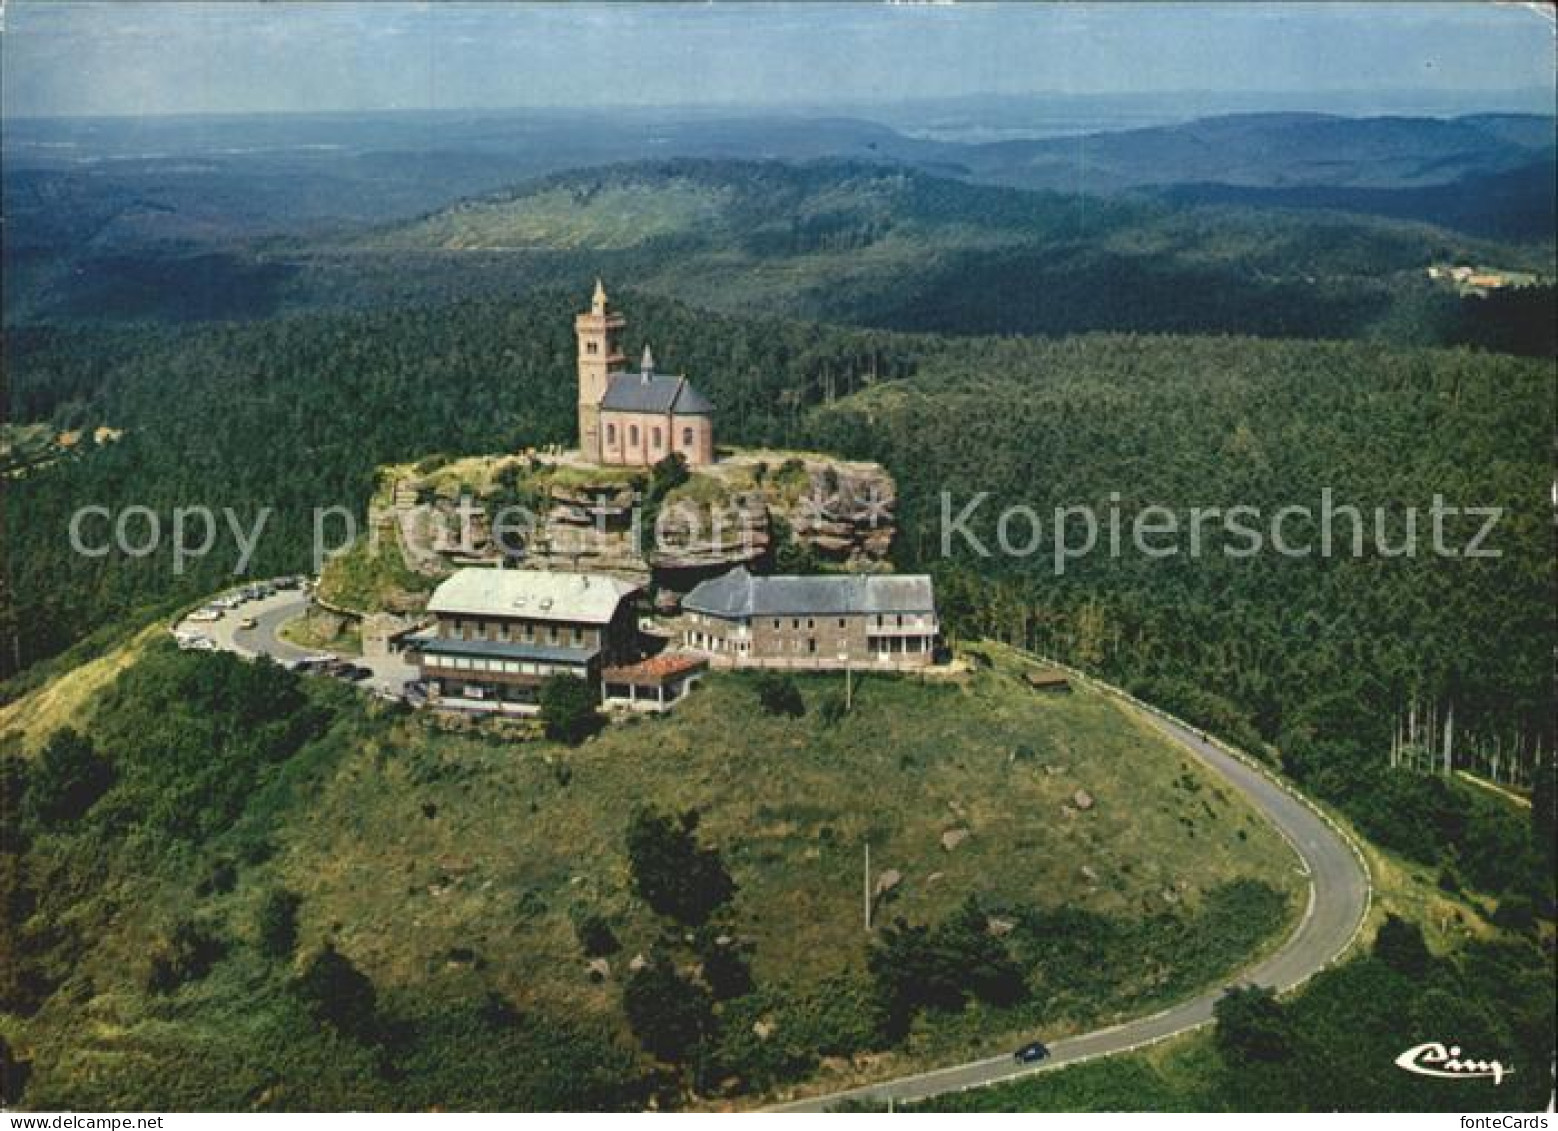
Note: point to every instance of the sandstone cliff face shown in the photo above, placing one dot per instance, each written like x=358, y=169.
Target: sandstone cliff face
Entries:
x=541, y=512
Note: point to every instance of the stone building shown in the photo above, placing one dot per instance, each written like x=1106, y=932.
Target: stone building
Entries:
x=817, y=622
x=634, y=419
x=500, y=633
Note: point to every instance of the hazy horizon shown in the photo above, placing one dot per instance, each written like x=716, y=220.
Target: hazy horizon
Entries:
x=1404, y=103
x=161, y=59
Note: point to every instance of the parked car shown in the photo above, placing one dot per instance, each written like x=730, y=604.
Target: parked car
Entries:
x=344, y=669
x=248, y=623
x=1031, y=1053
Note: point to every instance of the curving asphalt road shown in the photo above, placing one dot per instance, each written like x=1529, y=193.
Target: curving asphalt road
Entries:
x=1339, y=894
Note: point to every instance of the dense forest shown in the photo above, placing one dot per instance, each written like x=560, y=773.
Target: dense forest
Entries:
x=871, y=244
x=1265, y=341
x=1265, y=1054
x=1352, y=668
x=1355, y=668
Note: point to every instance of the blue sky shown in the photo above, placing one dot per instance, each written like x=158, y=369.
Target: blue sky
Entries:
x=201, y=56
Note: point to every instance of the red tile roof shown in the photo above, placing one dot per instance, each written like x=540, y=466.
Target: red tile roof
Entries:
x=657, y=669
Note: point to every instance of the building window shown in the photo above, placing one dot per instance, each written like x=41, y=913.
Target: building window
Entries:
x=633, y=435
x=841, y=622
x=591, y=347
x=776, y=622
x=656, y=440
x=578, y=636
x=611, y=433
x=810, y=623
x=686, y=437
x=811, y=645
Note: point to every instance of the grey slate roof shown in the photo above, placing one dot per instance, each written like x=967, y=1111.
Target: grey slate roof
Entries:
x=741, y=594
x=531, y=594
x=658, y=393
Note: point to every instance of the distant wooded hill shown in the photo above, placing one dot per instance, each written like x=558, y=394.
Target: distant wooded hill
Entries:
x=843, y=219
x=846, y=241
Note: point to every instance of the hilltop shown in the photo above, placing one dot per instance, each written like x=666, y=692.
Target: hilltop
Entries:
x=483, y=887
x=804, y=510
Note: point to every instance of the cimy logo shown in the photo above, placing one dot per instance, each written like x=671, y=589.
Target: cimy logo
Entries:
x=1433, y=1059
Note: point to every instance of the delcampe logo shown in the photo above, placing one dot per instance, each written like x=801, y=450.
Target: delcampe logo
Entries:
x=1433, y=1059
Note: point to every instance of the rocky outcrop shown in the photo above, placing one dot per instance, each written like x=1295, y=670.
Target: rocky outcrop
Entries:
x=544, y=511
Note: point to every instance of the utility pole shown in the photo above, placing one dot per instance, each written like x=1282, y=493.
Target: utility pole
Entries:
x=868, y=887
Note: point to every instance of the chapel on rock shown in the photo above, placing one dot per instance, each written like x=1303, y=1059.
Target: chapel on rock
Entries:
x=634, y=418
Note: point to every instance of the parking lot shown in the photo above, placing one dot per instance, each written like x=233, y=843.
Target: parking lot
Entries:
x=251, y=627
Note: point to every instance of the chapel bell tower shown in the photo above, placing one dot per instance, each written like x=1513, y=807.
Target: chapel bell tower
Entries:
x=599, y=333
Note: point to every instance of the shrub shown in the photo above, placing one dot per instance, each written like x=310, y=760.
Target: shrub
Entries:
x=669, y=1014
x=1399, y=944
x=276, y=925
x=779, y=695
x=568, y=709
x=596, y=936
x=1515, y=912
x=13, y=1075
x=1251, y=1026
x=725, y=967
x=672, y=873
x=68, y=779
x=186, y=955
x=339, y=994
x=220, y=879
x=832, y=709
x=667, y=475
x=919, y=967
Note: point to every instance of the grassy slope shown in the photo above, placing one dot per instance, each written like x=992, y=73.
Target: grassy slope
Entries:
x=522, y=836
x=67, y=699
x=512, y=851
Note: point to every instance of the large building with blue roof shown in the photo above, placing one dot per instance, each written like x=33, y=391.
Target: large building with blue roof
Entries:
x=821, y=621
